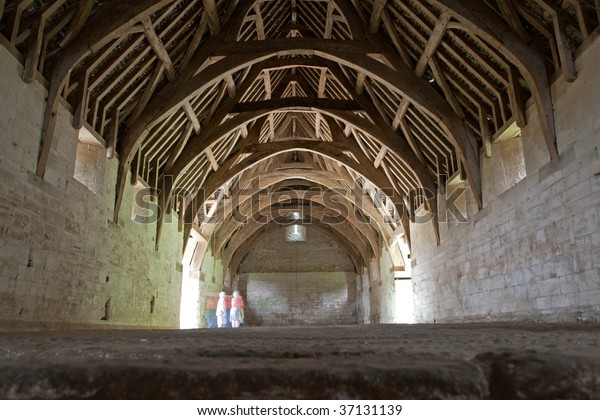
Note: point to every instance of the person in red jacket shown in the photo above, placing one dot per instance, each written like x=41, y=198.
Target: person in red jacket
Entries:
x=237, y=312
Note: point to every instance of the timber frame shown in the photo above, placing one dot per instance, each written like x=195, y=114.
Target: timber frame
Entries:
x=385, y=99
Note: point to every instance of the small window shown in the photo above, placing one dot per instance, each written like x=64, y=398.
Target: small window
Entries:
x=509, y=169
x=90, y=162
x=296, y=233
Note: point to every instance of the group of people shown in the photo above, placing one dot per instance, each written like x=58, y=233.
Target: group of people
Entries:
x=236, y=314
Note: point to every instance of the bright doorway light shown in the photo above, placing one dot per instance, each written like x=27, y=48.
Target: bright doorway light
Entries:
x=190, y=303
x=404, y=301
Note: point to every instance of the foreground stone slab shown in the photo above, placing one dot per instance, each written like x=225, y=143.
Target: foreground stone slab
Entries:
x=472, y=361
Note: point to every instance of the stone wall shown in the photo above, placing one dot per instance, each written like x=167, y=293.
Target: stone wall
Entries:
x=64, y=263
x=298, y=283
x=377, y=304
x=532, y=252
x=274, y=299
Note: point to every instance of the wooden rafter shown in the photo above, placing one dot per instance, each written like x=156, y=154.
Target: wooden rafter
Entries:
x=562, y=39
x=159, y=48
x=213, y=16
x=376, y=15
x=482, y=22
x=84, y=8
x=434, y=41
x=115, y=19
x=117, y=69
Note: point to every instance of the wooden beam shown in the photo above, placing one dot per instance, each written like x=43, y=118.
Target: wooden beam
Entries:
x=456, y=130
x=434, y=41
x=260, y=25
x=113, y=134
x=267, y=83
x=327, y=32
x=411, y=155
x=263, y=151
x=84, y=8
x=34, y=50
x=159, y=48
x=583, y=18
x=321, y=210
x=230, y=85
x=507, y=8
x=244, y=241
x=412, y=142
x=339, y=182
x=157, y=74
x=322, y=83
x=318, y=125
x=562, y=39
x=400, y=112
x=297, y=104
x=211, y=158
x=477, y=18
x=486, y=134
x=191, y=114
x=114, y=18
x=36, y=38
x=376, y=12
x=185, y=135
x=195, y=41
x=516, y=97
x=396, y=40
x=441, y=81
x=294, y=46
x=210, y=9
x=13, y=20
x=380, y=156
x=360, y=83
x=355, y=121
x=402, y=80
x=271, y=122
x=170, y=97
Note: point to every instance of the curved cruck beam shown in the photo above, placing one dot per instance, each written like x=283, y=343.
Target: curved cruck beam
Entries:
x=113, y=19
x=264, y=151
x=258, y=200
x=415, y=89
x=328, y=181
x=241, y=244
x=319, y=216
x=322, y=201
x=234, y=261
x=213, y=135
x=248, y=112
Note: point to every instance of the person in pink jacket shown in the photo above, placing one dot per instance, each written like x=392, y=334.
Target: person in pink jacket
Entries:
x=236, y=316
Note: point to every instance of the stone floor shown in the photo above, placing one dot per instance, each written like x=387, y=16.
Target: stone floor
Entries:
x=498, y=361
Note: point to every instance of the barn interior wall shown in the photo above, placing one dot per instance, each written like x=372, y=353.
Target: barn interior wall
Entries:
x=379, y=290
x=64, y=263
x=299, y=283
x=532, y=252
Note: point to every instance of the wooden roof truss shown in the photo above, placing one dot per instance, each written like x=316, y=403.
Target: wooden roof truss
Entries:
x=397, y=94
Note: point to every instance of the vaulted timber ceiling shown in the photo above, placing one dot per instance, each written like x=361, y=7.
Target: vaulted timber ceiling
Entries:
x=210, y=99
